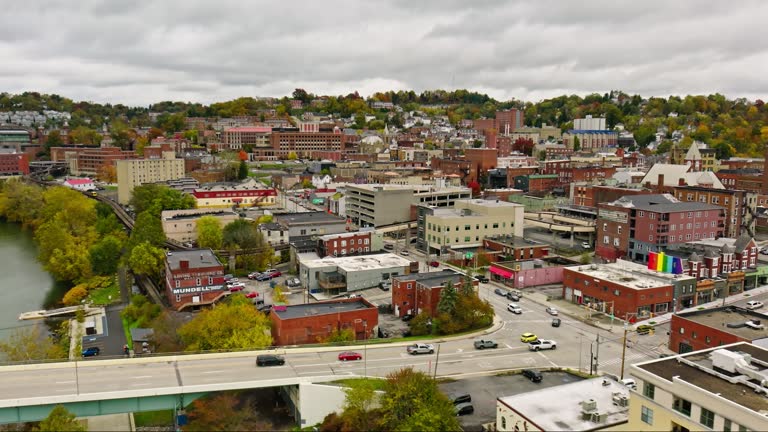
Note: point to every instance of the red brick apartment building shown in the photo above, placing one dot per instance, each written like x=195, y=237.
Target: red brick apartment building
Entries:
x=314, y=322
x=420, y=292
x=747, y=180
x=14, y=164
x=353, y=243
x=697, y=330
x=736, y=203
x=90, y=160
x=587, y=195
x=193, y=278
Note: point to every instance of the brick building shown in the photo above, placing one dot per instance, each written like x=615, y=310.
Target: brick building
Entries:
x=537, y=183
x=633, y=226
x=420, y=292
x=193, y=278
x=629, y=290
x=314, y=322
x=739, y=205
x=482, y=160
x=588, y=195
x=748, y=179
x=303, y=143
x=248, y=194
x=90, y=160
x=514, y=248
x=256, y=136
x=352, y=243
x=697, y=330
x=508, y=121
x=13, y=163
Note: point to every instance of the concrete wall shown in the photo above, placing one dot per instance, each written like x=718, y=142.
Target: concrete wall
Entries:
x=317, y=401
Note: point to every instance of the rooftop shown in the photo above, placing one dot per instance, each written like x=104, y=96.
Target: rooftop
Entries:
x=357, y=263
x=322, y=308
x=245, y=186
x=697, y=369
x=308, y=217
x=195, y=213
x=730, y=319
x=537, y=406
x=513, y=241
x=197, y=258
x=662, y=203
x=629, y=274
x=429, y=277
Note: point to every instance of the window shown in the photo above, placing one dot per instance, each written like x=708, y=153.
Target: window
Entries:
x=616, y=241
x=606, y=239
x=642, y=213
x=727, y=425
x=646, y=415
x=619, y=229
x=649, y=390
x=652, y=215
x=178, y=284
x=210, y=281
x=681, y=405
x=467, y=227
x=466, y=239
x=503, y=423
x=496, y=225
x=707, y=418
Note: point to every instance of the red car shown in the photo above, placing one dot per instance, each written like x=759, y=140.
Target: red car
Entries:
x=252, y=295
x=434, y=264
x=236, y=288
x=349, y=355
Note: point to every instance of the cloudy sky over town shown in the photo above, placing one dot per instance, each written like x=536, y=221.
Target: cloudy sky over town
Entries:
x=141, y=51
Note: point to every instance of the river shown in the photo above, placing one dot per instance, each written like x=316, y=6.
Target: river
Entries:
x=24, y=284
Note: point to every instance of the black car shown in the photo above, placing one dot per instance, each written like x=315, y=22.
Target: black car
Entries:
x=533, y=375
x=407, y=317
x=269, y=360
x=464, y=409
x=512, y=296
x=482, y=279
x=500, y=292
x=556, y=322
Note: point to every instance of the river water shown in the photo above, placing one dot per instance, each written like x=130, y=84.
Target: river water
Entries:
x=24, y=284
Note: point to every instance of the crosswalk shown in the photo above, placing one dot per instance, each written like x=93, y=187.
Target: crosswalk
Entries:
x=629, y=359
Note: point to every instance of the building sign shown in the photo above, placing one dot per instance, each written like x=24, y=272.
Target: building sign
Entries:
x=197, y=289
x=612, y=215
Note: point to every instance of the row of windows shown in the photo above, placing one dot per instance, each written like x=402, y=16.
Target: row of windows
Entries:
x=683, y=406
x=439, y=228
x=198, y=281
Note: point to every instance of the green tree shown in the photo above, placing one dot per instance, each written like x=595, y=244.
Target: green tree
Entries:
x=30, y=344
x=156, y=198
x=147, y=229
x=105, y=255
x=360, y=120
x=242, y=234
x=230, y=325
x=339, y=335
x=412, y=401
x=242, y=170
x=60, y=419
x=278, y=295
x=585, y=258
x=421, y=324
x=576, y=144
x=448, y=299
x=223, y=412
x=360, y=399
x=542, y=155
x=146, y=259
x=209, y=233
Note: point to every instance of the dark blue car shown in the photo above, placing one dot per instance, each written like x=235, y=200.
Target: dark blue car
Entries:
x=90, y=352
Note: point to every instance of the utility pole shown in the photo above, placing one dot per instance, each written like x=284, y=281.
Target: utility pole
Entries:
x=437, y=358
x=624, y=349
x=597, y=353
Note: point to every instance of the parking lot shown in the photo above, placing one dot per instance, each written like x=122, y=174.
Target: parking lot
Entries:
x=486, y=389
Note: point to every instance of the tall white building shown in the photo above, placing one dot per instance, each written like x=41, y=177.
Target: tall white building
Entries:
x=589, y=123
x=135, y=172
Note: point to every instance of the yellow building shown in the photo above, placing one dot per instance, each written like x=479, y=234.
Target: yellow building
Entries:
x=135, y=172
x=721, y=389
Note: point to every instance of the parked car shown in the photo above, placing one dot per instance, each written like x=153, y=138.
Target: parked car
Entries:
x=464, y=409
x=482, y=279
x=500, y=292
x=91, y=352
x=269, y=360
x=385, y=285
x=556, y=322
x=764, y=251
x=565, y=235
x=293, y=282
x=585, y=245
x=388, y=246
x=264, y=308
x=552, y=311
x=629, y=382
x=354, y=296
x=420, y=348
x=533, y=375
x=458, y=398
x=228, y=277
x=434, y=264
x=268, y=275
x=644, y=329
x=483, y=344
x=542, y=344
x=514, y=308
x=528, y=337
x=253, y=275
x=350, y=355
x=236, y=287
x=407, y=317
x=252, y=294
x=404, y=253
x=754, y=304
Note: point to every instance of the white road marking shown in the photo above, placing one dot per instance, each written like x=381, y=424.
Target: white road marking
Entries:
x=144, y=376
x=65, y=382
x=215, y=371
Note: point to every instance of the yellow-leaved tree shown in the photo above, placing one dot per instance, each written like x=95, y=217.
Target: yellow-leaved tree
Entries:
x=230, y=325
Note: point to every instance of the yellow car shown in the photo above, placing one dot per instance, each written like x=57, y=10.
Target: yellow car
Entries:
x=528, y=337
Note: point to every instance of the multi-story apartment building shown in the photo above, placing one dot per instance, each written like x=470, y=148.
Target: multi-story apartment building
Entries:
x=90, y=160
x=181, y=225
x=374, y=205
x=256, y=136
x=721, y=389
x=466, y=223
x=590, y=123
x=590, y=139
x=415, y=293
x=352, y=243
x=740, y=206
x=13, y=163
x=508, y=121
x=193, y=278
x=748, y=179
x=302, y=143
x=135, y=172
x=633, y=226
x=248, y=194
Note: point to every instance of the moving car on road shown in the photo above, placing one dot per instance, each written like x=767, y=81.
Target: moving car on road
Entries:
x=528, y=337
x=644, y=329
x=542, y=344
x=269, y=360
x=556, y=322
x=552, y=311
x=754, y=304
x=92, y=351
x=420, y=348
x=483, y=344
x=350, y=355
x=500, y=291
x=514, y=308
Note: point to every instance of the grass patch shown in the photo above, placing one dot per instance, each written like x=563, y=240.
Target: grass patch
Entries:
x=111, y=188
x=127, y=326
x=378, y=383
x=153, y=418
x=105, y=296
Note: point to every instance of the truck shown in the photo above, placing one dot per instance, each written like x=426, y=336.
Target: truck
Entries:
x=483, y=344
x=542, y=344
x=420, y=348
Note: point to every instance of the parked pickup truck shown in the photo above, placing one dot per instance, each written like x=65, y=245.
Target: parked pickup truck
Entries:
x=483, y=344
x=420, y=348
x=542, y=344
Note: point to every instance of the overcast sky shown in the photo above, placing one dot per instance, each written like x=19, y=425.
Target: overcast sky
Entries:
x=141, y=51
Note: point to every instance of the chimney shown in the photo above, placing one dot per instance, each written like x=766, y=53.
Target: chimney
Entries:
x=660, y=183
x=681, y=182
x=183, y=264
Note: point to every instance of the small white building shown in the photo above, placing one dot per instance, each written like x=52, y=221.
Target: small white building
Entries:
x=330, y=276
x=81, y=184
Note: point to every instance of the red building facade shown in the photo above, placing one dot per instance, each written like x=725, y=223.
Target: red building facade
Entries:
x=693, y=331
x=314, y=322
x=14, y=164
x=354, y=243
x=193, y=278
x=420, y=292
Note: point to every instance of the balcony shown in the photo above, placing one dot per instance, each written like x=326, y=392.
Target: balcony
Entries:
x=331, y=281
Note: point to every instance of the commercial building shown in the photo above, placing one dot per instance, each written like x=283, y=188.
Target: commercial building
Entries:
x=193, y=278
x=415, y=293
x=512, y=247
x=181, y=225
x=90, y=161
x=586, y=405
x=13, y=163
x=525, y=273
x=629, y=290
x=305, y=225
x=332, y=276
x=634, y=226
x=351, y=243
x=79, y=184
x=315, y=322
x=251, y=193
x=721, y=389
x=135, y=172
x=466, y=223
x=256, y=136
x=374, y=205
x=704, y=329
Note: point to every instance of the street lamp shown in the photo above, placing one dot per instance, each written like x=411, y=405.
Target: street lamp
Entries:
x=624, y=349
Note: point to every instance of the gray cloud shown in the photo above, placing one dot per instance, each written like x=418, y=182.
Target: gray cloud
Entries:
x=139, y=52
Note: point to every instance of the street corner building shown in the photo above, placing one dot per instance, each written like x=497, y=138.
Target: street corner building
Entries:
x=193, y=278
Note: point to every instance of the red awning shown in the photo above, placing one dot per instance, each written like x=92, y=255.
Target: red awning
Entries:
x=501, y=272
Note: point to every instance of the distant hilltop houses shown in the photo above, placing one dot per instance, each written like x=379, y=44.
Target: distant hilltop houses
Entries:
x=32, y=118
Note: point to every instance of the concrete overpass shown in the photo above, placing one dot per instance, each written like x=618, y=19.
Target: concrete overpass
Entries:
x=557, y=223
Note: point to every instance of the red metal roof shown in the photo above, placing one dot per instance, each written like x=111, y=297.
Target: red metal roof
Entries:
x=79, y=181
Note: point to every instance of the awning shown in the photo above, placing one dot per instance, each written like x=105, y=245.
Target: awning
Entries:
x=501, y=272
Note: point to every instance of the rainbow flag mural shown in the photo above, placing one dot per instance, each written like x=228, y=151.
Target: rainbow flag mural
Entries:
x=664, y=263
